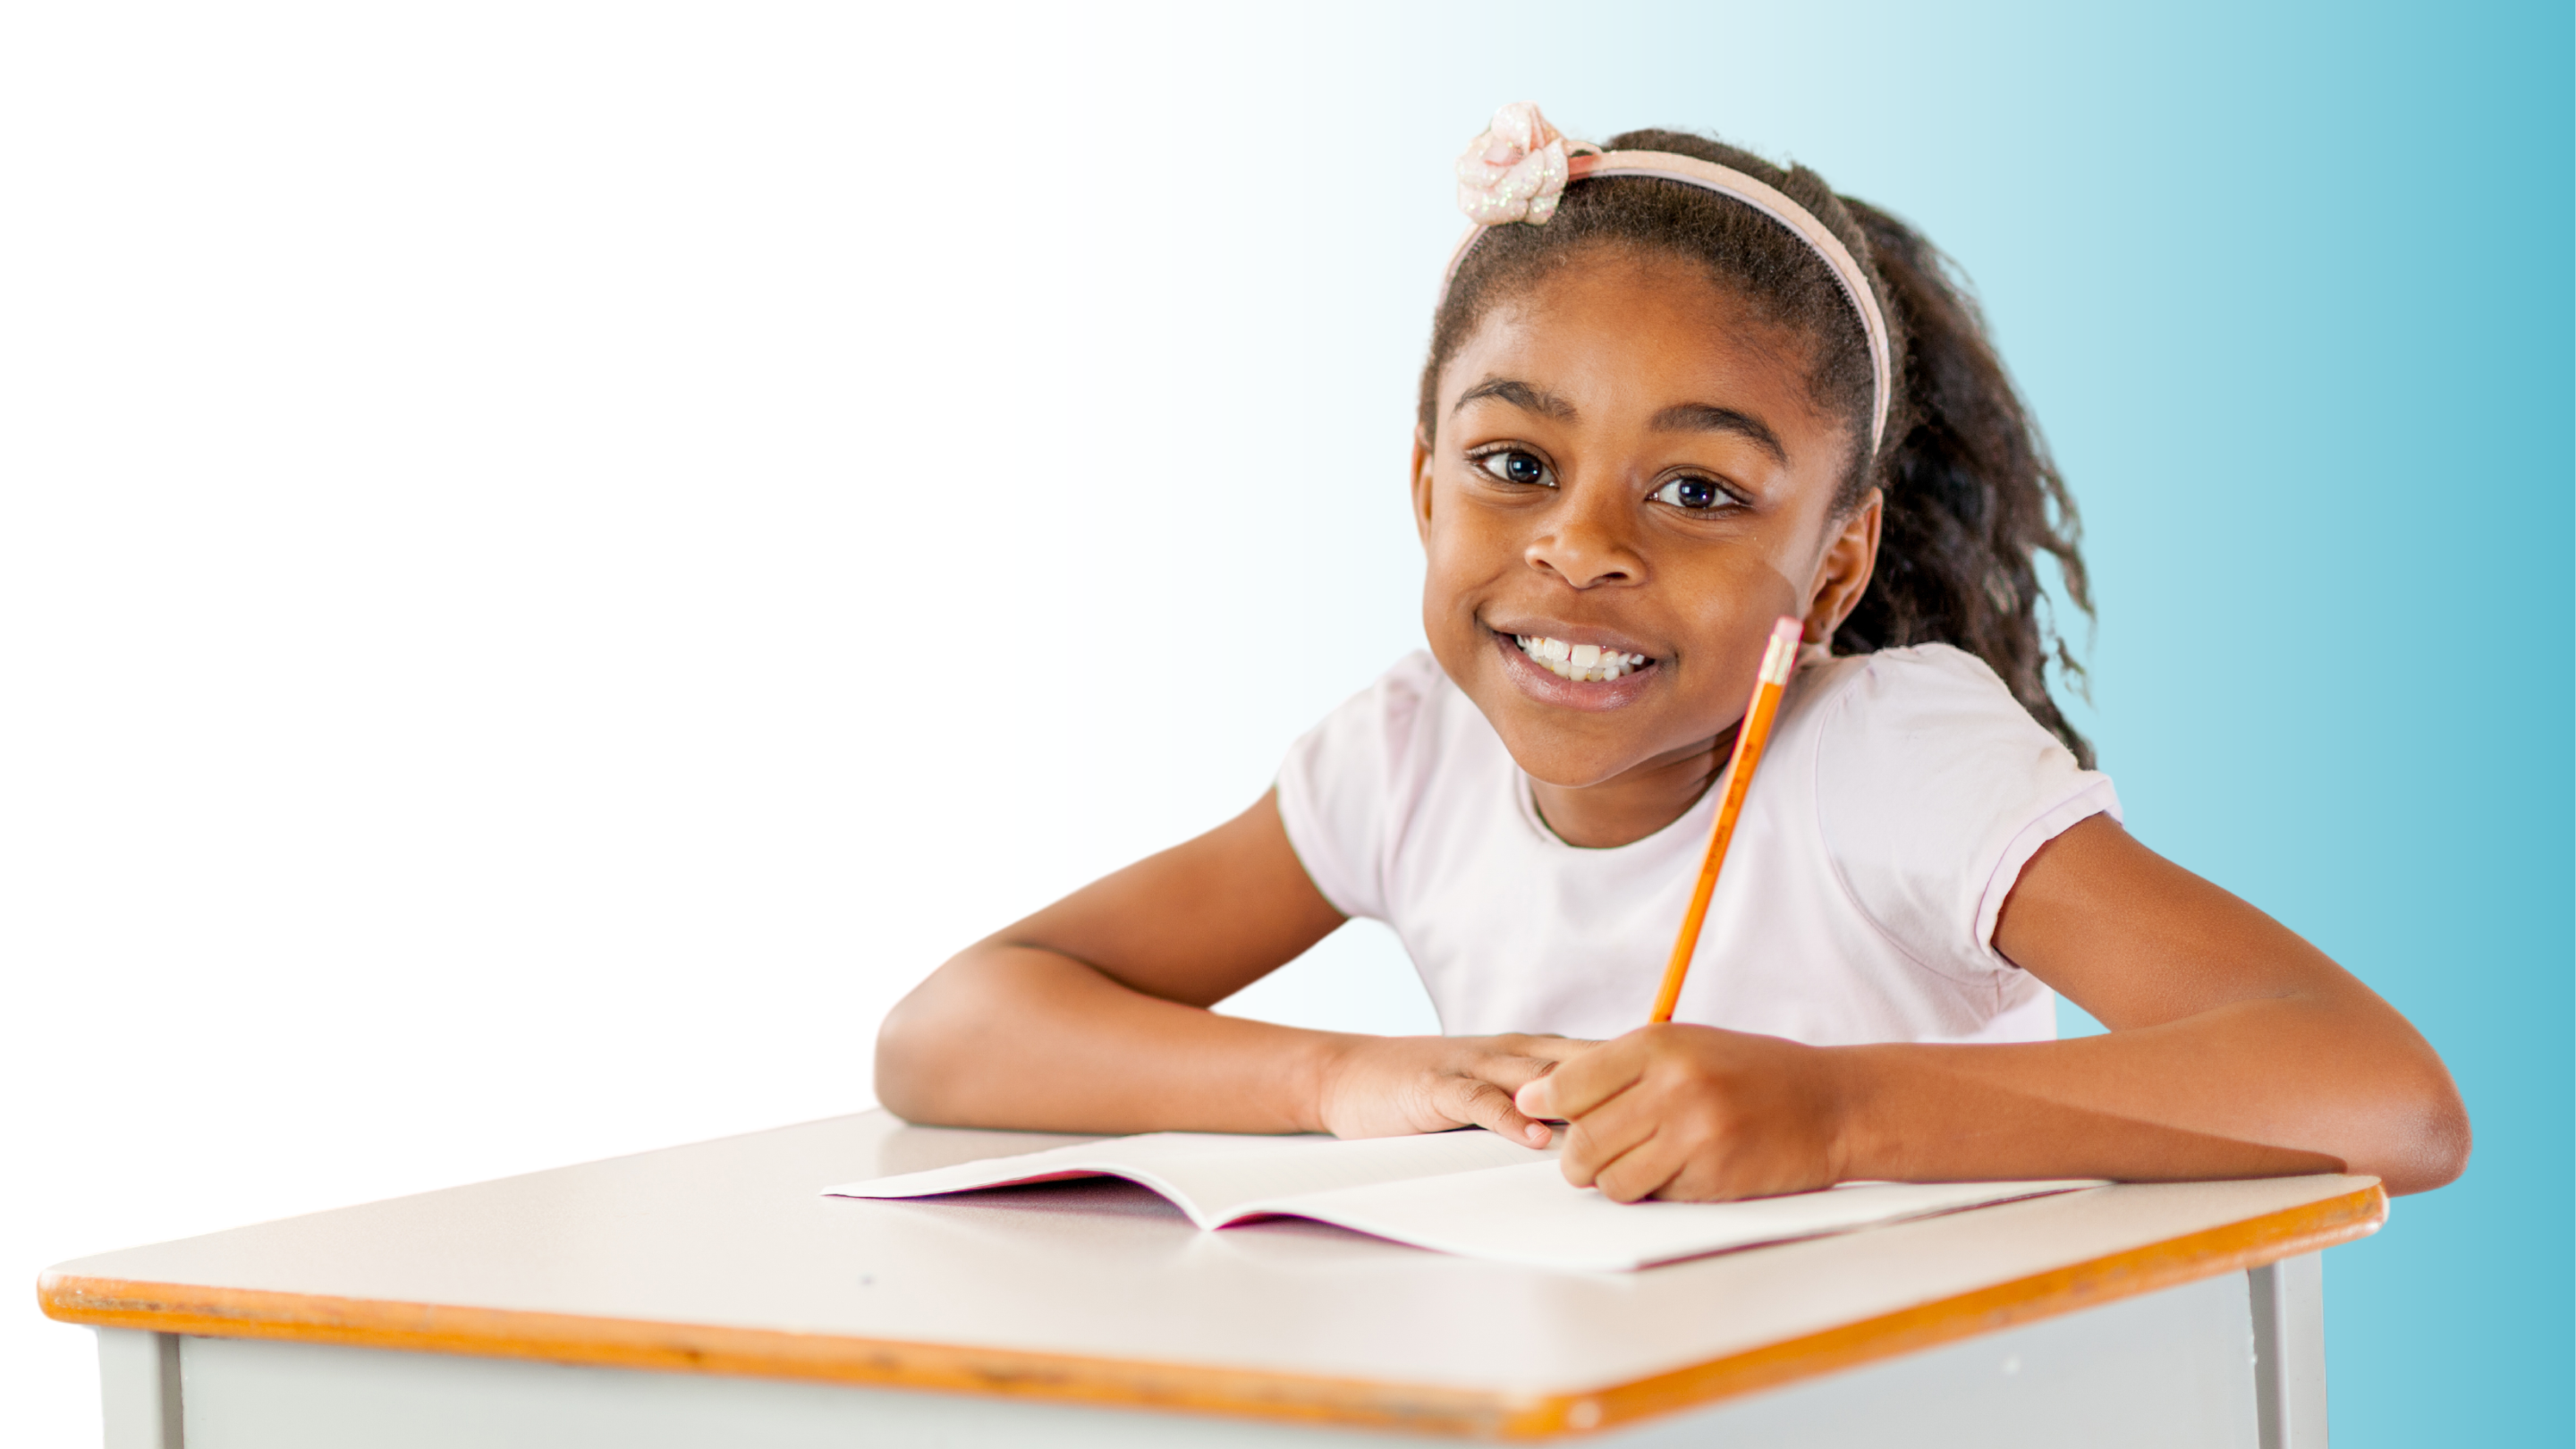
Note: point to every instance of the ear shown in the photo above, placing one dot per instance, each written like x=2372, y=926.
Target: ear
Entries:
x=1842, y=575
x=1422, y=485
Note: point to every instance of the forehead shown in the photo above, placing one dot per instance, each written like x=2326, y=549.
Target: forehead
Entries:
x=1627, y=332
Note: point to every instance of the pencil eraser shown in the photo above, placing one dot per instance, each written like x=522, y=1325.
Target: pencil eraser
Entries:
x=1780, y=656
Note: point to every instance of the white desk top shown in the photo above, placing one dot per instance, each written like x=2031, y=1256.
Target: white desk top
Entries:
x=724, y=1257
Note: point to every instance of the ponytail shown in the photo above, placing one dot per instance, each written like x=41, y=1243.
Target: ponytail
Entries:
x=1972, y=496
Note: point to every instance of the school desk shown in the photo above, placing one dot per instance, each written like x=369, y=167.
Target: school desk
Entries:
x=708, y=1295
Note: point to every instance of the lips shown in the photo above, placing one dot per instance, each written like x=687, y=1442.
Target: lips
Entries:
x=1583, y=663
x=1594, y=675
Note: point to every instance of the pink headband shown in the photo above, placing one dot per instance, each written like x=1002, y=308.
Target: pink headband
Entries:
x=1521, y=165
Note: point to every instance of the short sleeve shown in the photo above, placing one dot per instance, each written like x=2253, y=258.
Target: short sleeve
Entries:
x=1344, y=788
x=1934, y=788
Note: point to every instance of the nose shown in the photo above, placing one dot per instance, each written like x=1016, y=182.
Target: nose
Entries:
x=1583, y=544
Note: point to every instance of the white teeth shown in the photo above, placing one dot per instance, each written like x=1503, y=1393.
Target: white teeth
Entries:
x=1587, y=663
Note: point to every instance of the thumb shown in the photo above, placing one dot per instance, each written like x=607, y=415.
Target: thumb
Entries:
x=1538, y=1099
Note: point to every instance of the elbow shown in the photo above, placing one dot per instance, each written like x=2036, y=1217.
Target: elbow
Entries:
x=2430, y=1147
x=914, y=1054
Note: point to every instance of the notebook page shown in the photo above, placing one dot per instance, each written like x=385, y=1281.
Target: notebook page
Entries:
x=1528, y=1214
x=1216, y=1177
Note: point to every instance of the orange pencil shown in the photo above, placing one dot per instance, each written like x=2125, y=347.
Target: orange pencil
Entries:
x=1778, y=659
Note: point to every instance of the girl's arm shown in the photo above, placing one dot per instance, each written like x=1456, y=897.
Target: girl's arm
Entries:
x=1092, y=1016
x=2235, y=1049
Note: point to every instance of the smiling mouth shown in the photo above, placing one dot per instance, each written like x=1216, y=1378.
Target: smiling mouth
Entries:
x=1582, y=663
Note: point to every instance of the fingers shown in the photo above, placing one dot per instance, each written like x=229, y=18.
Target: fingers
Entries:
x=1583, y=1080
x=1641, y=1172
x=1694, y=1113
x=1549, y=1049
x=1382, y=1086
x=1485, y=1088
x=1614, y=1149
x=1479, y=1103
x=1641, y=1169
x=1522, y=1063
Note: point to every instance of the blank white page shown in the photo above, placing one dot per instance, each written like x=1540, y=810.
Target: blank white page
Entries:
x=1471, y=1193
x=1220, y=1178
x=1527, y=1213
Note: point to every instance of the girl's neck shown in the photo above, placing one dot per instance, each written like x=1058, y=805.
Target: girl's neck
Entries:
x=1632, y=805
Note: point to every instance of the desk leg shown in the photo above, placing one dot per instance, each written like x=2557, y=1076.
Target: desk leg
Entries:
x=138, y=1379
x=2289, y=1300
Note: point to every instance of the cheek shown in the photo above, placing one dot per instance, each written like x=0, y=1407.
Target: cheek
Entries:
x=1462, y=546
x=1720, y=585
x=1445, y=583
x=1794, y=549
x=1727, y=607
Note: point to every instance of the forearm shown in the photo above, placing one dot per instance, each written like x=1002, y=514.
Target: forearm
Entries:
x=1020, y=1037
x=2255, y=1088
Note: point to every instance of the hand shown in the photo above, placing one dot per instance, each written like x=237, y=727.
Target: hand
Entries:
x=1695, y=1114
x=1387, y=1086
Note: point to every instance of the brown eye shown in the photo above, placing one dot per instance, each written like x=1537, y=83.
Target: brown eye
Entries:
x=1514, y=466
x=1696, y=495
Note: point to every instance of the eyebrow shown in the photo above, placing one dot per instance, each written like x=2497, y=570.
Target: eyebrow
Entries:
x=1704, y=418
x=1679, y=418
x=1520, y=395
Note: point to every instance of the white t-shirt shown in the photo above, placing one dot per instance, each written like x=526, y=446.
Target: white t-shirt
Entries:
x=1899, y=798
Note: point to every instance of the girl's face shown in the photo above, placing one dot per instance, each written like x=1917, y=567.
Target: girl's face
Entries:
x=1628, y=484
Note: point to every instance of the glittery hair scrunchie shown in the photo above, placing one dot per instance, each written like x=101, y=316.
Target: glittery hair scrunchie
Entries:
x=1516, y=170
x=1519, y=168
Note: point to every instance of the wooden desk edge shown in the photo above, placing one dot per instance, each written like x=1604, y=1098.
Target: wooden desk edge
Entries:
x=768, y=1353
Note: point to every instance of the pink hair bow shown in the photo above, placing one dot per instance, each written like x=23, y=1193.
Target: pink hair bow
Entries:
x=1516, y=170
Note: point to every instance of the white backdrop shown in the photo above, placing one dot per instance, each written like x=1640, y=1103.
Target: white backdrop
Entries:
x=555, y=559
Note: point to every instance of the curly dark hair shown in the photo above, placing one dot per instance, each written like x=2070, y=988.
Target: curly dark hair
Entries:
x=1972, y=497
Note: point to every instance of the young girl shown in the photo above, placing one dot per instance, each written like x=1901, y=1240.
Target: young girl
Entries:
x=1676, y=392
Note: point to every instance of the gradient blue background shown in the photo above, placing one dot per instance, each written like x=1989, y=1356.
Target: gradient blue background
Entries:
x=2319, y=426
x=2318, y=420
x=2288, y=287
x=2321, y=438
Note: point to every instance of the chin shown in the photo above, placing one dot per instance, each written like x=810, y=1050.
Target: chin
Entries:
x=1563, y=766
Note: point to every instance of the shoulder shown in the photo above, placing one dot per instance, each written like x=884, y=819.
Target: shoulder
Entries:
x=1921, y=668
x=1348, y=787
x=1399, y=711
x=1411, y=685
x=1932, y=787
x=1924, y=695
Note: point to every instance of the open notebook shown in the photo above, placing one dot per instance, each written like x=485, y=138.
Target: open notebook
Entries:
x=1468, y=1192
